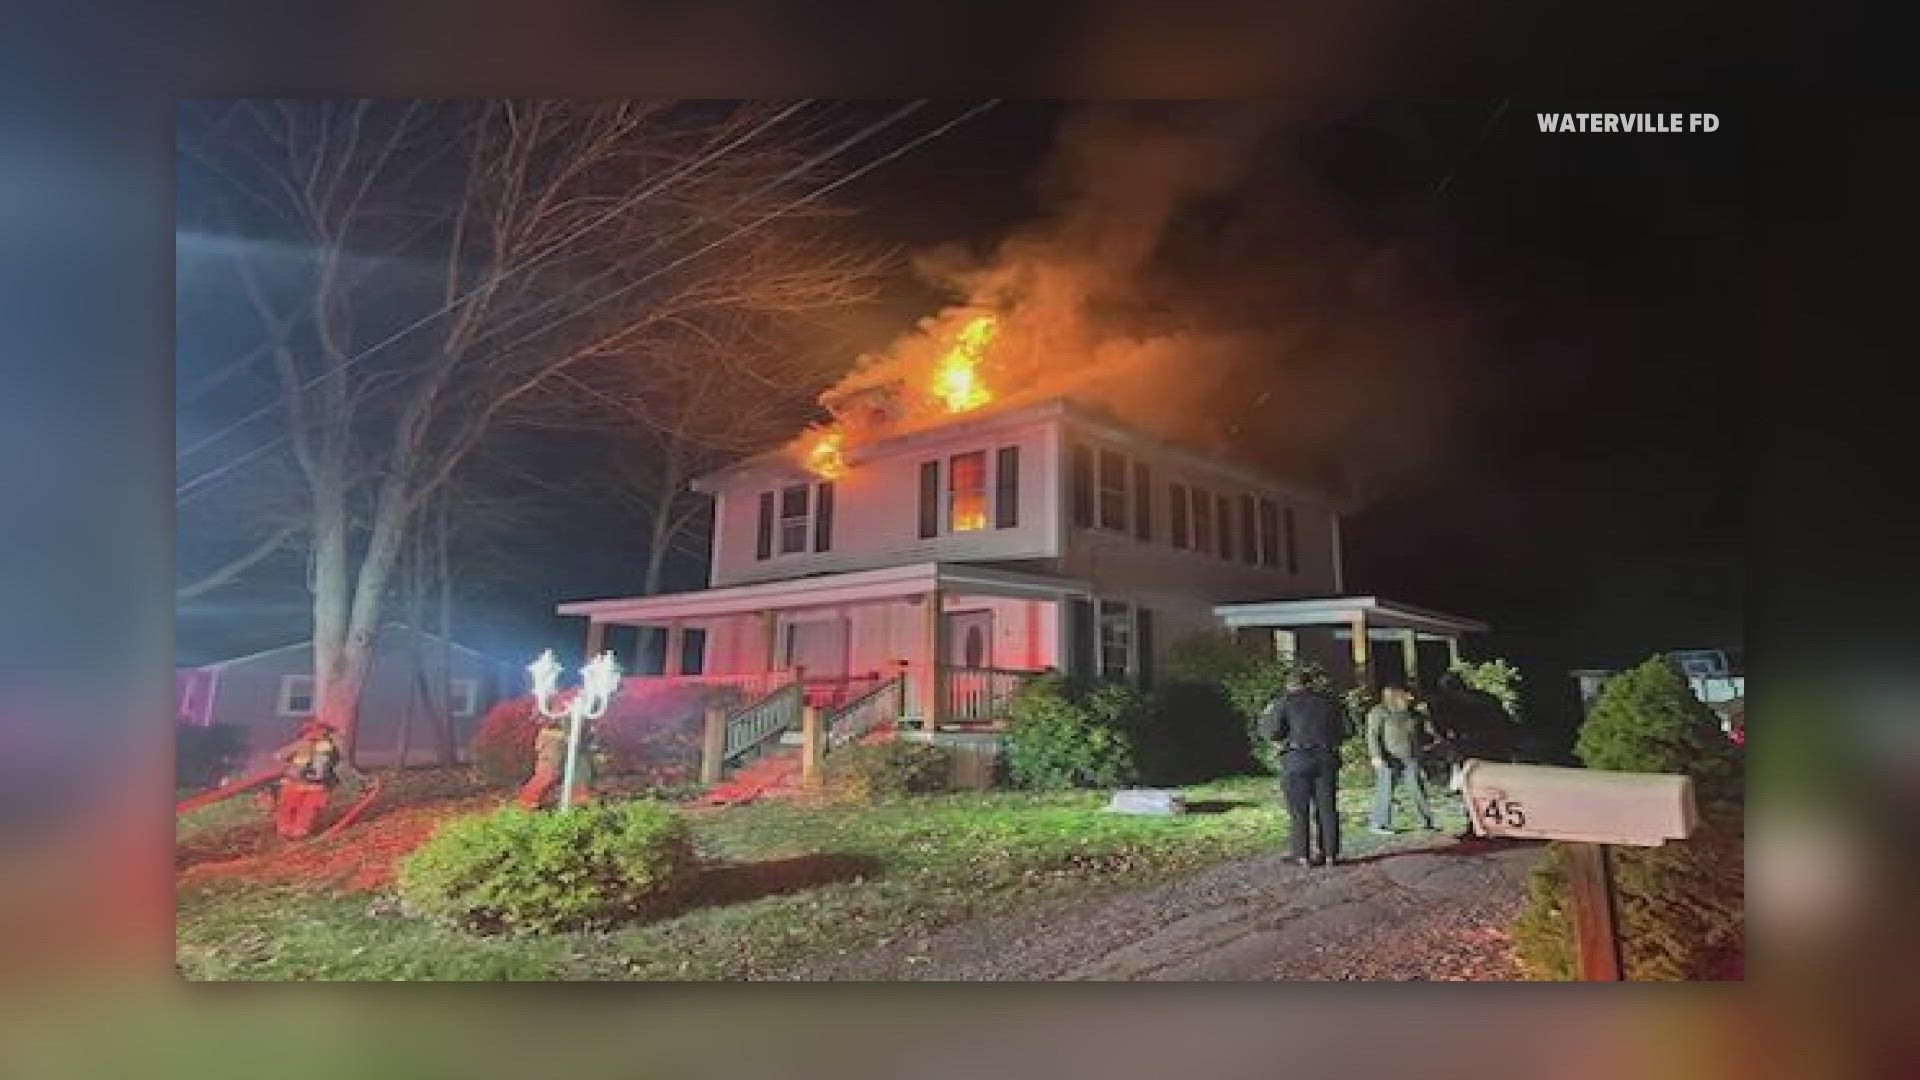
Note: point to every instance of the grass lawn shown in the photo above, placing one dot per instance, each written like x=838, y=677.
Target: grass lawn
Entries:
x=786, y=883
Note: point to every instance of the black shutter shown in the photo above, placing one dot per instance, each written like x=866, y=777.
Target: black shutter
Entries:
x=1249, y=532
x=1143, y=642
x=1083, y=640
x=1269, y=533
x=763, y=540
x=823, y=517
x=1082, y=483
x=1177, y=514
x=1293, y=553
x=1225, y=514
x=1006, y=488
x=929, y=499
x=1142, y=501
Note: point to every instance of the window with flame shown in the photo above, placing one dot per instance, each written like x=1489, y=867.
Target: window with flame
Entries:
x=1113, y=491
x=967, y=492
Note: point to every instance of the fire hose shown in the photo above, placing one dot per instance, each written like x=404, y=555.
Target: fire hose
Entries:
x=267, y=776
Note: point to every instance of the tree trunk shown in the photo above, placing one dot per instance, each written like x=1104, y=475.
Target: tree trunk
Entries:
x=340, y=694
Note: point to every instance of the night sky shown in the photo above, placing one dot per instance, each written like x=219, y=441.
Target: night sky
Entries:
x=1577, y=479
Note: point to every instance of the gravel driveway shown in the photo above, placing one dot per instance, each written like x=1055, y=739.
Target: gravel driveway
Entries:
x=1439, y=913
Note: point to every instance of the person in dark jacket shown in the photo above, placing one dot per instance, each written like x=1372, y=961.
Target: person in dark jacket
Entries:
x=1308, y=726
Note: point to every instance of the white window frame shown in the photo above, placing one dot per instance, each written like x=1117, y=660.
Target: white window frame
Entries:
x=463, y=696
x=781, y=520
x=288, y=684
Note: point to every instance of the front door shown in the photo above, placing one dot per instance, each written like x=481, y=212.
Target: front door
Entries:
x=970, y=639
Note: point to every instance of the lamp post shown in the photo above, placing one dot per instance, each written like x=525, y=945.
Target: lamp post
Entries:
x=598, y=681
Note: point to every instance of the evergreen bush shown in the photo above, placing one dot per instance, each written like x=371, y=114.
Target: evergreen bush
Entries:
x=533, y=871
x=1680, y=909
x=1064, y=735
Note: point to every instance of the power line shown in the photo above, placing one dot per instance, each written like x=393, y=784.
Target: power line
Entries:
x=198, y=482
x=616, y=209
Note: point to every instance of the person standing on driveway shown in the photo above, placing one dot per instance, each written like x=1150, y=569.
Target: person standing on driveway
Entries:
x=1308, y=726
x=1394, y=734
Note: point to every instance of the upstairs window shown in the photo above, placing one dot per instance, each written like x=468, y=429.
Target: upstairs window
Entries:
x=1142, y=502
x=1269, y=533
x=1202, y=520
x=1293, y=550
x=1249, y=532
x=1177, y=515
x=967, y=492
x=1113, y=491
x=1082, y=484
x=793, y=519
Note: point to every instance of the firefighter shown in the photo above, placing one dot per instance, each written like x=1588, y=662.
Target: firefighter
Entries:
x=550, y=765
x=311, y=767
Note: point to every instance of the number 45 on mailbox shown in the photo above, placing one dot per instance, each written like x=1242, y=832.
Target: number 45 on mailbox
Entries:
x=1589, y=809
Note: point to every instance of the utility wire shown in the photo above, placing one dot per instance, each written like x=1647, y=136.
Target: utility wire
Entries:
x=199, y=482
x=497, y=279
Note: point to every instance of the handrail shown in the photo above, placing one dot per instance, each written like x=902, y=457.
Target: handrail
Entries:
x=981, y=693
x=856, y=718
x=761, y=721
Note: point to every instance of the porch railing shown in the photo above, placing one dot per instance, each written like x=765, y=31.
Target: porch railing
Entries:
x=761, y=722
x=880, y=705
x=838, y=691
x=751, y=684
x=976, y=694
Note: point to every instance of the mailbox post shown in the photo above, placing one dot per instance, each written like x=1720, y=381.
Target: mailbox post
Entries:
x=1589, y=810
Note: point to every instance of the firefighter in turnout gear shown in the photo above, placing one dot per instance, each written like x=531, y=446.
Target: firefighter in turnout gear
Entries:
x=550, y=765
x=310, y=769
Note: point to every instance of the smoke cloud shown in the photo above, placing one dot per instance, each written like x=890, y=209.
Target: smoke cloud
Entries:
x=1193, y=279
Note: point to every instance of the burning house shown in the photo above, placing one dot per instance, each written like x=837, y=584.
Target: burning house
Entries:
x=944, y=540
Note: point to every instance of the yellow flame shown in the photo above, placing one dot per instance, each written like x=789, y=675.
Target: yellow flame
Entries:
x=956, y=381
x=824, y=457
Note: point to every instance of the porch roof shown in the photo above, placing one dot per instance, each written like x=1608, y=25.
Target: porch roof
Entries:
x=889, y=583
x=1341, y=611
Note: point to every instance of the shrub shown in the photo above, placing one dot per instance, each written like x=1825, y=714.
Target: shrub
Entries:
x=876, y=772
x=202, y=755
x=1194, y=734
x=1063, y=734
x=1496, y=678
x=516, y=870
x=502, y=746
x=1679, y=908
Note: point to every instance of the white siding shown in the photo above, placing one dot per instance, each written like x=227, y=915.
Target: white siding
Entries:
x=876, y=513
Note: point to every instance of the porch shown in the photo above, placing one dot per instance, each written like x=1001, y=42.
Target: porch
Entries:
x=959, y=638
x=1364, y=640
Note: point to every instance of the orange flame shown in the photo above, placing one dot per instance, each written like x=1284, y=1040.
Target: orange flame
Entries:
x=956, y=381
x=824, y=457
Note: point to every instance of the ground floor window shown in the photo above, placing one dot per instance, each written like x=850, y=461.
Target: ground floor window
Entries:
x=296, y=695
x=1116, y=640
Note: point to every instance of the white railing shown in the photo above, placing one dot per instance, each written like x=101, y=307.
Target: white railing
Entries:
x=761, y=722
x=976, y=694
x=878, y=706
x=752, y=684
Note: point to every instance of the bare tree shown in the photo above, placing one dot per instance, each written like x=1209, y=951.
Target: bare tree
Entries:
x=450, y=265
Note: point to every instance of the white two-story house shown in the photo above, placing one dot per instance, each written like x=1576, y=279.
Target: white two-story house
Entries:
x=1007, y=541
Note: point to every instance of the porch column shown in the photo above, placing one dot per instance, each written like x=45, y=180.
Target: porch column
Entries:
x=596, y=638
x=1453, y=651
x=1362, y=652
x=1410, y=657
x=674, y=662
x=933, y=704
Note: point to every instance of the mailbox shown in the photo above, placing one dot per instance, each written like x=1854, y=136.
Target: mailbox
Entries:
x=1593, y=806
